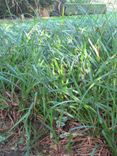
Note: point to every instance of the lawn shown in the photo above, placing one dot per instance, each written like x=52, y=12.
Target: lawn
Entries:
x=58, y=85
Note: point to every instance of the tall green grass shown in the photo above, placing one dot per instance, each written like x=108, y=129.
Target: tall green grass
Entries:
x=59, y=68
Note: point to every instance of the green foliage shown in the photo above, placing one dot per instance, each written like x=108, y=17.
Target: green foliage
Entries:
x=60, y=70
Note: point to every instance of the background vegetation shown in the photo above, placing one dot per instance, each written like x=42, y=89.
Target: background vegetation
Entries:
x=15, y=8
x=29, y=8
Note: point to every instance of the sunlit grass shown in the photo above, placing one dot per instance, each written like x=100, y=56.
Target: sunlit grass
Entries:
x=59, y=68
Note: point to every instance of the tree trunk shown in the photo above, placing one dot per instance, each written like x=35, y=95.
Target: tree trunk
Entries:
x=44, y=12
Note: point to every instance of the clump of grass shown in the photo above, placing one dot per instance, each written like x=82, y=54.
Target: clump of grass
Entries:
x=51, y=70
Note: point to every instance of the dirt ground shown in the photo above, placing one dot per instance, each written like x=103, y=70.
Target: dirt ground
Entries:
x=81, y=143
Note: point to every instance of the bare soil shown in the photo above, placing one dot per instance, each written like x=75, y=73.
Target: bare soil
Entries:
x=80, y=144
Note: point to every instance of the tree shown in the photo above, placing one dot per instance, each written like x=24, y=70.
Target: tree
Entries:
x=45, y=3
